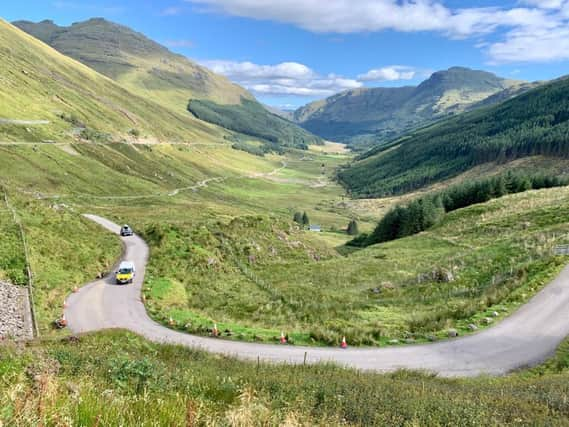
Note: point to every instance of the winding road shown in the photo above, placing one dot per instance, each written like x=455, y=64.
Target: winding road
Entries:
x=526, y=338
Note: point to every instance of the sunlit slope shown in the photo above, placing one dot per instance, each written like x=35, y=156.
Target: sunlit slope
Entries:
x=140, y=64
x=45, y=95
x=152, y=71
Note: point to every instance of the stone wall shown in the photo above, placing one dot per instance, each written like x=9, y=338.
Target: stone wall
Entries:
x=15, y=317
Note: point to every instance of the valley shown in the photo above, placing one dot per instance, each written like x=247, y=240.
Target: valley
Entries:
x=254, y=300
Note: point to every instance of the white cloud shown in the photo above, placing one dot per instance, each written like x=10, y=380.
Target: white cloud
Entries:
x=287, y=78
x=388, y=74
x=532, y=46
x=534, y=22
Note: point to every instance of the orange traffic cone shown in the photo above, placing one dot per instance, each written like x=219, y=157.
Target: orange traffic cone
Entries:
x=283, y=338
x=215, y=331
x=344, y=343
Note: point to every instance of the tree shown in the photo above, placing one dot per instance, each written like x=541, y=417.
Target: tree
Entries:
x=297, y=217
x=353, y=228
x=305, y=219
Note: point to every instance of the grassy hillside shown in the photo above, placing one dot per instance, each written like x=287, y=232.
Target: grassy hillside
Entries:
x=497, y=255
x=363, y=117
x=115, y=378
x=151, y=71
x=189, y=185
x=252, y=119
x=264, y=275
x=71, y=100
x=136, y=62
x=534, y=123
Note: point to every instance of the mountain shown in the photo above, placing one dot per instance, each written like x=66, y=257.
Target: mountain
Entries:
x=363, y=117
x=135, y=61
x=154, y=72
x=48, y=96
x=533, y=123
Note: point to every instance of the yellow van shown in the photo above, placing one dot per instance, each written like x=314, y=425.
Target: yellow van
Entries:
x=125, y=273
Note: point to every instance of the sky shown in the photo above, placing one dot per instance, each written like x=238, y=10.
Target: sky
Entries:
x=291, y=52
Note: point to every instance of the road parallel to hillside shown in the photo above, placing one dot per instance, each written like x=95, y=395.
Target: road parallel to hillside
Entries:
x=526, y=338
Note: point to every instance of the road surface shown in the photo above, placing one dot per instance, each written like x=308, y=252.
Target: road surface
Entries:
x=526, y=338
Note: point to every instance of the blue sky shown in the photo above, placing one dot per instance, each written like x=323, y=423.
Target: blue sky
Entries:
x=291, y=52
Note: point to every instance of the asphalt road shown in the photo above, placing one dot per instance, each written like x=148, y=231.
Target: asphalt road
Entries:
x=526, y=338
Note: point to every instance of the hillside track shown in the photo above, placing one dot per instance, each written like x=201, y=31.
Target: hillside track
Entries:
x=526, y=338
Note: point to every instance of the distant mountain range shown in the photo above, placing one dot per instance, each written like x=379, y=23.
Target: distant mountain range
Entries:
x=535, y=123
x=368, y=116
x=150, y=70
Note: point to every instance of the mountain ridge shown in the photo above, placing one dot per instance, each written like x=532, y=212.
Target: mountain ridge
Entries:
x=535, y=123
x=136, y=61
x=41, y=84
x=152, y=71
x=365, y=116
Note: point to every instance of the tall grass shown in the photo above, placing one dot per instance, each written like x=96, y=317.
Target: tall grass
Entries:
x=116, y=378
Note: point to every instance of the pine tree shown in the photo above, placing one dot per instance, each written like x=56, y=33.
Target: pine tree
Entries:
x=353, y=228
x=305, y=219
x=297, y=217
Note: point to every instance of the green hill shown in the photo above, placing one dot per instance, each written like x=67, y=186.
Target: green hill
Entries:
x=252, y=119
x=363, y=117
x=138, y=63
x=534, y=123
x=150, y=70
x=48, y=96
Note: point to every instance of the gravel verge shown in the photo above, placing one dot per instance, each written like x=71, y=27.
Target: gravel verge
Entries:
x=15, y=317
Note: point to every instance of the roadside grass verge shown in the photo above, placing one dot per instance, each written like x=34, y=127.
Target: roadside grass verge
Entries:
x=117, y=378
x=66, y=250
x=12, y=256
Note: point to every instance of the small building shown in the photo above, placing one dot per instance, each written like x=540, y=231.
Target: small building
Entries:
x=315, y=228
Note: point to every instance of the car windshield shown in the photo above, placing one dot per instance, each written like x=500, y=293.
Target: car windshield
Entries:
x=125, y=271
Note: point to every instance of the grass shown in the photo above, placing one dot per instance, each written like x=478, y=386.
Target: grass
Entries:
x=12, y=258
x=116, y=378
x=52, y=186
x=65, y=251
x=72, y=96
x=303, y=283
x=499, y=254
